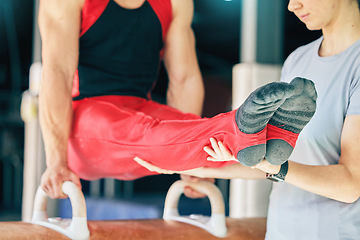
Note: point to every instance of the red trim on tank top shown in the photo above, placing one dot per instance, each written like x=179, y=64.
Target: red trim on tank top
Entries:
x=163, y=11
x=75, y=89
x=91, y=12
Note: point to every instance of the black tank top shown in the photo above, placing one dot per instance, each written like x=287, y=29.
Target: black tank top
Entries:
x=120, y=53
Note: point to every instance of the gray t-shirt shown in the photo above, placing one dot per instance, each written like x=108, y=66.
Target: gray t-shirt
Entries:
x=297, y=214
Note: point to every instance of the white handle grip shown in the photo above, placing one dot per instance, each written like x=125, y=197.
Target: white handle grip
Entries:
x=216, y=224
x=77, y=228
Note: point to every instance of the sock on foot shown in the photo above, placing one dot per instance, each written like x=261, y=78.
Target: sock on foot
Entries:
x=289, y=120
x=252, y=118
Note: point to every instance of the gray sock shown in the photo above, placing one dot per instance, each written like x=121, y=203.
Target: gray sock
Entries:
x=292, y=116
x=254, y=114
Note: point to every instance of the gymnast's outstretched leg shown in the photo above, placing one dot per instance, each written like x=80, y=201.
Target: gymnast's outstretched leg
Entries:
x=128, y=127
x=262, y=108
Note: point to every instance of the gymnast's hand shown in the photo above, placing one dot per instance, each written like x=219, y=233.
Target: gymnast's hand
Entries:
x=53, y=178
x=190, y=192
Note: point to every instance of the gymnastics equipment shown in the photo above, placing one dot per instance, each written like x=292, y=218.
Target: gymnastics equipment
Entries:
x=174, y=226
x=150, y=229
x=215, y=224
x=76, y=228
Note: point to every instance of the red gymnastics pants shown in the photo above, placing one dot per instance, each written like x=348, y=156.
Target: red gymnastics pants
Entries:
x=109, y=131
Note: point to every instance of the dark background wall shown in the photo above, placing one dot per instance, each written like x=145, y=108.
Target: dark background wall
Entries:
x=15, y=59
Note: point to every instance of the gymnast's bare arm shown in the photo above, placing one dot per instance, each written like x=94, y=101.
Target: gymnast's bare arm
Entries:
x=59, y=23
x=186, y=90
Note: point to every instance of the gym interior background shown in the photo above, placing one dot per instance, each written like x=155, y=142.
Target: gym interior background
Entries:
x=217, y=27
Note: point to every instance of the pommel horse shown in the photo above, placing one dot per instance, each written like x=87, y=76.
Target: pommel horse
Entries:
x=173, y=226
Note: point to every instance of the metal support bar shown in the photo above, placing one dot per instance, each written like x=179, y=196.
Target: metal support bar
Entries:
x=248, y=31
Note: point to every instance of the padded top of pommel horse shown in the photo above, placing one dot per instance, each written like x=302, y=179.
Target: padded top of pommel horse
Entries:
x=155, y=229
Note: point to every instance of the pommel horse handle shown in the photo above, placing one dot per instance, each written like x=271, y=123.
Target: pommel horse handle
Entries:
x=216, y=224
x=77, y=227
